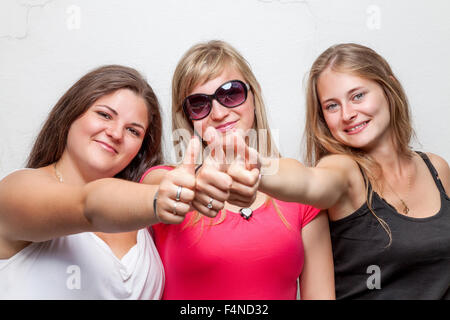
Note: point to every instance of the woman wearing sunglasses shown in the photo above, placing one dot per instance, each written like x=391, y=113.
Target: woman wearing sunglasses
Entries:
x=67, y=227
x=388, y=205
x=237, y=243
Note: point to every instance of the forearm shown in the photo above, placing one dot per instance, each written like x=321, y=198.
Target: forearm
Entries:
x=294, y=182
x=34, y=207
x=113, y=205
x=287, y=179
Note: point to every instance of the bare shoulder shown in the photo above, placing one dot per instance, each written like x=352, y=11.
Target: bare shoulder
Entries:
x=442, y=168
x=23, y=184
x=350, y=172
x=156, y=175
x=340, y=162
x=26, y=176
x=18, y=191
x=438, y=162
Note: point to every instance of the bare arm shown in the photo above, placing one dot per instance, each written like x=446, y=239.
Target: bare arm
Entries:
x=35, y=207
x=317, y=278
x=321, y=186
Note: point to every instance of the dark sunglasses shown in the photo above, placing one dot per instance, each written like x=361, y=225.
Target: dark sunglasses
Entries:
x=231, y=94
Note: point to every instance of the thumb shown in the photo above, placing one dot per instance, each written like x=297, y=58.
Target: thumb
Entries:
x=190, y=156
x=239, y=146
x=246, y=156
x=253, y=160
x=214, y=151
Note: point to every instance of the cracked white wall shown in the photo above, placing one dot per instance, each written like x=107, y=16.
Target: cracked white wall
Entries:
x=46, y=45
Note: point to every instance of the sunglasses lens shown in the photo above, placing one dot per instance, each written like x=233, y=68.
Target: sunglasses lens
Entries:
x=197, y=106
x=232, y=94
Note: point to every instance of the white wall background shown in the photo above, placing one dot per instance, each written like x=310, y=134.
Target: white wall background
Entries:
x=46, y=45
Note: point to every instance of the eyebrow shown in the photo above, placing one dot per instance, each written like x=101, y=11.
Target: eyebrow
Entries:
x=348, y=93
x=116, y=113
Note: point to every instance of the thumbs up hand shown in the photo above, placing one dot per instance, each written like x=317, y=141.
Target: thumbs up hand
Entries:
x=212, y=181
x=245, y=172
x=177, y=189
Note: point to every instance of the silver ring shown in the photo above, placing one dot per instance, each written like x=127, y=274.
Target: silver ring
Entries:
x=177, y=198
x=174, y=211
x=209, y=205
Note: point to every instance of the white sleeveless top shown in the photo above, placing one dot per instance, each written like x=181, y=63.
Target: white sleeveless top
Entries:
x=82, y=266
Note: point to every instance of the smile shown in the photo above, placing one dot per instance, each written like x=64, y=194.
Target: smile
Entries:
x=107, y=147
x=226, y=126
x=357, y=128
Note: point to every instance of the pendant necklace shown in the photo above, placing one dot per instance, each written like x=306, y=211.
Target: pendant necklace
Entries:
x=405, y=206
x=246, y=213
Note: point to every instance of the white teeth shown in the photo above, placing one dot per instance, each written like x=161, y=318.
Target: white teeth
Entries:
x=357, y=127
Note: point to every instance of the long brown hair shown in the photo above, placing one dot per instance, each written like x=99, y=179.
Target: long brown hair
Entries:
x=51, y=141
x=363, y=62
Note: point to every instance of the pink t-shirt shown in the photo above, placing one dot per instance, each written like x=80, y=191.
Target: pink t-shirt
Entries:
x=259, y=258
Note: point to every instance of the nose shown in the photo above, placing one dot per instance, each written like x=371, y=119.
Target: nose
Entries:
x=218, y=111
x=114, y=130
x=348, y=112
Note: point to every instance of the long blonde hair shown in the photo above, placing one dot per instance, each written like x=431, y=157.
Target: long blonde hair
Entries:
x=206, y=61
x=363, y=62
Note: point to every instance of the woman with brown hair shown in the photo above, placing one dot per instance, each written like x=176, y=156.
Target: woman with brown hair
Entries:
x=68, y=222
x=237, y=243
x=388, y=205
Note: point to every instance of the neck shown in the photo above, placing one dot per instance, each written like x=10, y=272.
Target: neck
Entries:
x=393, y=163
x=398, y=174
x=389, y=158
x=70, y=172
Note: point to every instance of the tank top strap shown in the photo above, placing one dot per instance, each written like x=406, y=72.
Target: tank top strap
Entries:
x=433, y=171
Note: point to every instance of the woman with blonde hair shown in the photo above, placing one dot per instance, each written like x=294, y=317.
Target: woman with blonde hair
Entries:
x=237, y=243
x=388, y=207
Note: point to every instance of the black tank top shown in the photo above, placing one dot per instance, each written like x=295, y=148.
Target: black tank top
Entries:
x=415, y=266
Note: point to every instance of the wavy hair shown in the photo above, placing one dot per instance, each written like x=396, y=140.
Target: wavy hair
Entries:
x=363, y=62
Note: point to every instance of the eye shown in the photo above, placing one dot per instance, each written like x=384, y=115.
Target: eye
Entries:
x=104, y=114
x=134, y=132
x=331, y=107
x=358, y=96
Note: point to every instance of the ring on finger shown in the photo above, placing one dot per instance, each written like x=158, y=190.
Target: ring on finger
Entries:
x=174, y=211
x=209, y=205
x=177, y=198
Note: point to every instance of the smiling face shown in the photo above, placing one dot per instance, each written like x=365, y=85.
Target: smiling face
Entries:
x=109, y=134
x=355, y=109
x=223, y=119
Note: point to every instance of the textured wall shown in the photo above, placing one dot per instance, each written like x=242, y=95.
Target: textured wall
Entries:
x=45, y=46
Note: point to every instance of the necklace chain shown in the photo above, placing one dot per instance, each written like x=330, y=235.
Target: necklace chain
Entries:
x=405, y=206
x=58, y=175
